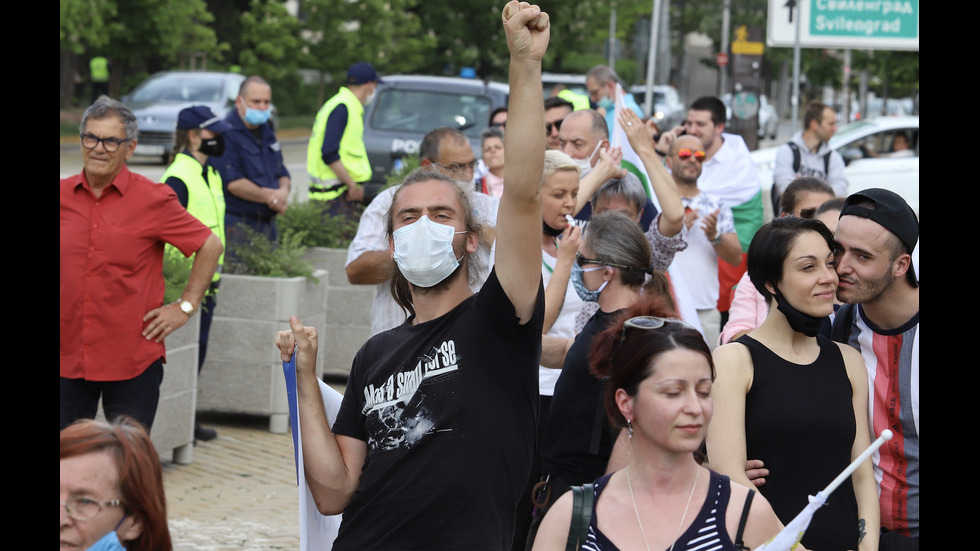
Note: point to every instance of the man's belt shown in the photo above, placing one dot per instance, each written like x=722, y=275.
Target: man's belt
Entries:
x=320, y=186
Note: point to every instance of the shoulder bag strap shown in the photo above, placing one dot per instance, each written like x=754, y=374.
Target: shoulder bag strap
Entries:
x=741, y=522
x=582, y=499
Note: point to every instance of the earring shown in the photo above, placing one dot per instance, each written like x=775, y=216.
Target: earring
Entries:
x=629, y=429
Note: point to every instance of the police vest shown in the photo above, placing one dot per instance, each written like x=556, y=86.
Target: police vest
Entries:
x=577, y=100
x=205, y=199
x=99, y=69
x=353, y=154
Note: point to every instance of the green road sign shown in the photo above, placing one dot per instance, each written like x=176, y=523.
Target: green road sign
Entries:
x=870, y=24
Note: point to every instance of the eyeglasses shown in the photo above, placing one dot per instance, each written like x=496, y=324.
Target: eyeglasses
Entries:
x=457, y=167
x=582, y=261
x=649, y=322
x=84, y=508
x=686, y=153
x=548, y=125
x=110, y=144
x=499, y=124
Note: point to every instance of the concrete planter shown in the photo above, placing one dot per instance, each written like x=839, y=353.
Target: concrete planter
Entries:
x=348, y=323
x=173, y=426
x=243, y=370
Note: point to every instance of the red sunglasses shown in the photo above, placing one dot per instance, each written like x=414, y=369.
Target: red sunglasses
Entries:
x=686, y=153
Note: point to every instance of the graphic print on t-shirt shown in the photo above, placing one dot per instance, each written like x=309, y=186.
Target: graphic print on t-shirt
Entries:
x=394, y=410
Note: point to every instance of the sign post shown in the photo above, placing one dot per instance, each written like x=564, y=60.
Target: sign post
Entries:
x=747, y=50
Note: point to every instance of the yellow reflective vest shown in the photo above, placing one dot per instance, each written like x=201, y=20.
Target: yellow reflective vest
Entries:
x=353, y=154
x=99, y=69
x=205, y=199
x=578, y=100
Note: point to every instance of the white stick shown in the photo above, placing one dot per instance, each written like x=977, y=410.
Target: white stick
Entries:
x=885, y=436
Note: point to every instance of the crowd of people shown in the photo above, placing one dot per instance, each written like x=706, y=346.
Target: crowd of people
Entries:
x=488, y=399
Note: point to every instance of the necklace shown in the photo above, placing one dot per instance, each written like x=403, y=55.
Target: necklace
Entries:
x=684, y=516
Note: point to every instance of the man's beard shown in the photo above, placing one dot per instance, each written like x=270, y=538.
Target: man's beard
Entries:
x=443, y=285
x=865, y=292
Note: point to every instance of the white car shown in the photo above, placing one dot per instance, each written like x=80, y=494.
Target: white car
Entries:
x=870, y=163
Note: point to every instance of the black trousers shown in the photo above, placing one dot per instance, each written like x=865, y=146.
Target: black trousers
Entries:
x=136, y=397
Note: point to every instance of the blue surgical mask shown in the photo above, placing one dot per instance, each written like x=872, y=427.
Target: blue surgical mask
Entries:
x=257, y=116
x=580, y=289
x=108, y=542
x=607, y=103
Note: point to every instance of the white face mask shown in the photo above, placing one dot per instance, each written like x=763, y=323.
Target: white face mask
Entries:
x=424, y=252
x=585, y=165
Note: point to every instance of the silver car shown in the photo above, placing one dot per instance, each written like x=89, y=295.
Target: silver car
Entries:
x=668, y=110
x=157, y=100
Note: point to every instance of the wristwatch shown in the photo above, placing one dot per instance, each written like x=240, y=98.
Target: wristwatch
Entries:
x=717, y=239
x=186, y=306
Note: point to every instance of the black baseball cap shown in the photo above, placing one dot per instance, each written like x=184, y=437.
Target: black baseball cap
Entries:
x=890, y=211
x=362, y=73
x=200, y=116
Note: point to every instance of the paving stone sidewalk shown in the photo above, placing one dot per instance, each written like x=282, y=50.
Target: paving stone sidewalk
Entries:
x=239, y=493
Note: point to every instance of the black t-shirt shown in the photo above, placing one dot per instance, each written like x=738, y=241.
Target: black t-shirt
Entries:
x=576, y=405
x=448, y=409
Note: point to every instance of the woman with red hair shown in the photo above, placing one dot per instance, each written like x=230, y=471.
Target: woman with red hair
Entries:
x=112, y=488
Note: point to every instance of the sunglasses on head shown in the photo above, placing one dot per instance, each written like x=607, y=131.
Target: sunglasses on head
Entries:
x=649, y=322
x=686, y=153
x=556, y=125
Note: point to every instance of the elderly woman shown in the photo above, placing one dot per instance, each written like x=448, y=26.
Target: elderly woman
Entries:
x=111, y=488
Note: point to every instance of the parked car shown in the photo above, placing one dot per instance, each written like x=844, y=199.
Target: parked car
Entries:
x=574, y=82
x=668, y=111
x=157, y=100
x=865, y=146
x=406, y=107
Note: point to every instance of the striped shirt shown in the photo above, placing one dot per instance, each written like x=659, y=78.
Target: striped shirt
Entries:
x=707, y=532
x=892, y=359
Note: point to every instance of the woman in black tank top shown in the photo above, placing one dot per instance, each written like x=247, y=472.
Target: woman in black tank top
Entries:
x=794, y=399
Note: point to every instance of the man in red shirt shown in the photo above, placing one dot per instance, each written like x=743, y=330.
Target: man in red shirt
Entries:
x=114, y=224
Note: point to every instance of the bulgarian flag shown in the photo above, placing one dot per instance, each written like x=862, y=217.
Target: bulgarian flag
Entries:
x=633, y=163
x=316, y=531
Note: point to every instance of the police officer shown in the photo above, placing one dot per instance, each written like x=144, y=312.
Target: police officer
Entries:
x=198, y=187
x=336, y=158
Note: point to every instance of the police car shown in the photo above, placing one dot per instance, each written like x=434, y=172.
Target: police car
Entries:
x=407, y=107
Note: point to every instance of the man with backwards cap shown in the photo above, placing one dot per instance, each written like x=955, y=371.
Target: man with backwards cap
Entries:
x=198, y=188
x=336, y=158
x=877, y=234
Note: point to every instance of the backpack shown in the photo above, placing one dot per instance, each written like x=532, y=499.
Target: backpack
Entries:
x=774, y=193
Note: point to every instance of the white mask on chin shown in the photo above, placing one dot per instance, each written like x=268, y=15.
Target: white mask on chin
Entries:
x=424, y=252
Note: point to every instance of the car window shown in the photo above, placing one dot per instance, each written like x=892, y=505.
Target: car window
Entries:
x=880, y=143
x=421, y=111
x=184, y=89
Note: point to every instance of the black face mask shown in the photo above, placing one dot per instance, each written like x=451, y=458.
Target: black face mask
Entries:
x=800, y=322
x=213, y=147
x=549, y=231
